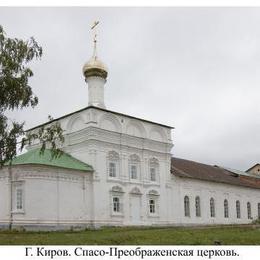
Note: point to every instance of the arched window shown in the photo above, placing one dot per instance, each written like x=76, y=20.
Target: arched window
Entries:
x=134, y=167
x=225, y=208
x=238, y=209
x=197, y=206
x=154, y=170
x=186, y=206
x=113, y=164
x=212, y=208
x=258, y=209
x=249, y=214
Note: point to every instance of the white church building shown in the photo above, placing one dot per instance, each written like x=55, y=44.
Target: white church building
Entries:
x=118, y=170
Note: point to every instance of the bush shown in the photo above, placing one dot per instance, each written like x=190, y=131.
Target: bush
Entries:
x=256, y=221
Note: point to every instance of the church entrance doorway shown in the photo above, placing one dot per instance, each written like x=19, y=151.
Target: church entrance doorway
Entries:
x=135, y=209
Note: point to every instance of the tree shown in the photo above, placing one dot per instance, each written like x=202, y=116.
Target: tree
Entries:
x=16, y=94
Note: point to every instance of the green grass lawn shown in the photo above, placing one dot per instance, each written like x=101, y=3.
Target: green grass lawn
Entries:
x=134, y=236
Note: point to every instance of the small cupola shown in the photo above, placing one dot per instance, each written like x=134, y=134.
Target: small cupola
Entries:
x=95, y=73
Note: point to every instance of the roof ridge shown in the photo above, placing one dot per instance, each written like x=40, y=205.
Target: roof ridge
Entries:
x=99, y=108
x=215, y=166
x=252, y=167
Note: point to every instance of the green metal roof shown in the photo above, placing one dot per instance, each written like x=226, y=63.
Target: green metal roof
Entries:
x=64, y=161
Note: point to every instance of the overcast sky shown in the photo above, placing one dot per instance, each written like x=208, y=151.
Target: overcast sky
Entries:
x=197, y=69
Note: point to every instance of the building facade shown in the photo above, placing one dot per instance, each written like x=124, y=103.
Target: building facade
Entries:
x=118, y=170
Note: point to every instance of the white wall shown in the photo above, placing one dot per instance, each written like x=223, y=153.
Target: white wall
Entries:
x=89, y=136
x=105, y=132
x=219, y=191
x=53, y=197
x=4, y=198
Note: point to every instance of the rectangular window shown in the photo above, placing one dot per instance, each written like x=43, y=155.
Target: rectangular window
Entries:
x=152, y=174
x=152, y=206
x=116, y=204
x=19, y=199
x=112, y=169
x=133, y=172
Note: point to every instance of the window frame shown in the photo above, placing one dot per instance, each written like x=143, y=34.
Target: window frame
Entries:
x=186, y=206
x=212, y=207
x=113, y=159
x=116, y=207
x=18, y=197
x=249, y=210
x=112, y=174
x=153, y=173
x=152, y=206
x=116, y=204
x=154, y=196
x=238, y=209
x=226, y=209
x=133, y=174
x=134, y=161
x=197, y=206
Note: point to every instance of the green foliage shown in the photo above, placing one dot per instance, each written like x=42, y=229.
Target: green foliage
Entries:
x=16, y=93
x=15, y=54
x=256, y=221
x=50, y=134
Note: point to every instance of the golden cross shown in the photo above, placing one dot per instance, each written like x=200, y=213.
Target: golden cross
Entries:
x=93, y=27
